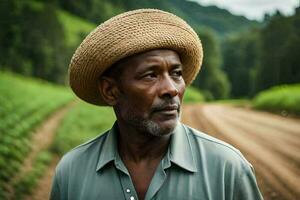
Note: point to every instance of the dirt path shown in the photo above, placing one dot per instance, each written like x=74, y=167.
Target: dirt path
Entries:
x=42, y=191
x=270, y=142
x=41, y=140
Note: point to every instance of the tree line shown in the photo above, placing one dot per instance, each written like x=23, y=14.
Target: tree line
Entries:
x=32, y=40
x=263, y=57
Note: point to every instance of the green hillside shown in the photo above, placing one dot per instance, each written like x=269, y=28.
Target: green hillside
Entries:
x=75, y=27
x=220, y=20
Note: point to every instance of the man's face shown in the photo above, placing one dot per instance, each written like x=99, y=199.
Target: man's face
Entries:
x=151, y=90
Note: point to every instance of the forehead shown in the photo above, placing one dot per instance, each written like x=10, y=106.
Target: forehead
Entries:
x=157, y=55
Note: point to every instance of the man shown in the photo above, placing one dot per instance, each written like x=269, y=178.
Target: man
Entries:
x=139, y=63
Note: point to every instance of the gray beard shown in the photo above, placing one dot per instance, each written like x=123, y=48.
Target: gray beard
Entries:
x=150, y=127
x=146, y=126
x=142, y=125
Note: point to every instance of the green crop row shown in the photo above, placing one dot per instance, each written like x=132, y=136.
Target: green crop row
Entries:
x=284, y=99
x=80, y=124
x=28, y=181
x=24, y=104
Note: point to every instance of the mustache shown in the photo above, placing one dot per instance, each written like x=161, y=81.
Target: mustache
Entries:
x=167, y=104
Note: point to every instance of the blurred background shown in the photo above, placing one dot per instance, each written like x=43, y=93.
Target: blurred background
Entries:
x=248, y=91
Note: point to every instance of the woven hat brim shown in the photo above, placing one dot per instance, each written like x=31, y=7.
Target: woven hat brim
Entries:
x=128, y=34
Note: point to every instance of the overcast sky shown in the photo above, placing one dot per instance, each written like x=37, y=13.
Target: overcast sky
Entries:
x=254, y=9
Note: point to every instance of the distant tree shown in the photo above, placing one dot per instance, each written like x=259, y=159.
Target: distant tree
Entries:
x=10, y=35
x=33, y=40
x=280, y=41
x=261, y=58
x=211, y=79
x=241, y=56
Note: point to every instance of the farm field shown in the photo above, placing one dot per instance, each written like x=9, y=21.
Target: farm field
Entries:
x=24, y=104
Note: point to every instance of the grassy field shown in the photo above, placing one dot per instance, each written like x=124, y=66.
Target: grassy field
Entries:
x=284, y=99
x=193, y=95
x=24, y=104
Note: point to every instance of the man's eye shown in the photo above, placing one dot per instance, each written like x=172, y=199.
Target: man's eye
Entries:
x=150, y=75
x=177, y=73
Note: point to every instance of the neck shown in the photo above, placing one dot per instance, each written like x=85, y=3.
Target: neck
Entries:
x=137, y=146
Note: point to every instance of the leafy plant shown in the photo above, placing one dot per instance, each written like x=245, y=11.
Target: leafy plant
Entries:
x=193, y=95
x=284, y=99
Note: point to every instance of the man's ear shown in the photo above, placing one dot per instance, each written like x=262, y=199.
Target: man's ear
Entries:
x=108, y=90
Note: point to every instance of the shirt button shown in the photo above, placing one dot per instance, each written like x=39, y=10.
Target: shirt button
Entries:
x=131, y=198
x=127, y=190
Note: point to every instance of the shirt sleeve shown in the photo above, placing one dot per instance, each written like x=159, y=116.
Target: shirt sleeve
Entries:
x=55, y=191
x=247, y=188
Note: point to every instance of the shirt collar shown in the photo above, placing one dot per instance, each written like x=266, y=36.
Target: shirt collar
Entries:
x=179, y=152
x=109, y=149
x=180, y=149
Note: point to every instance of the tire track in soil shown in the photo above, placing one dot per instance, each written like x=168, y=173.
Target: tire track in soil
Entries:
x=275, y=122
x=277, y=174
x=289, y=156
x=41, y=140
x=263, y=155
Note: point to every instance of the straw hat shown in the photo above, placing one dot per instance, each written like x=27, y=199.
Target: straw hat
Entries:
x=128, y=34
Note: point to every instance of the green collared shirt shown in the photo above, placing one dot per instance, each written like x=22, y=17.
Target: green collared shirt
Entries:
x=196, y=166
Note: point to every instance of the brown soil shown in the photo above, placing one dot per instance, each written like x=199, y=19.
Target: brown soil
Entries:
x=270, y=142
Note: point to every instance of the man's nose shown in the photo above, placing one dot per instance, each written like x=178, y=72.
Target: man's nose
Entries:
x=168, y=87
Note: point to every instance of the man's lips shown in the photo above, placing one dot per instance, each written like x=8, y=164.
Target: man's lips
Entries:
x=169, y=109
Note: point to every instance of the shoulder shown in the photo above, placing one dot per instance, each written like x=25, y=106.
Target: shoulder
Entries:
x=215, y=149
x=82, y=154
x=219, y=158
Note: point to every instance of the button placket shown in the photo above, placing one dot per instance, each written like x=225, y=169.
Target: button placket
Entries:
x=157, y=181
x=126, y=182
